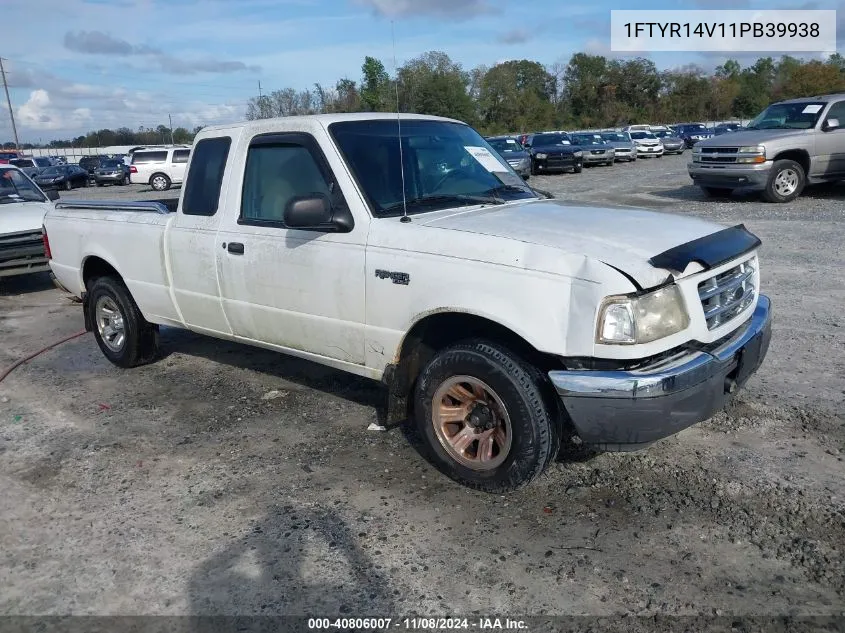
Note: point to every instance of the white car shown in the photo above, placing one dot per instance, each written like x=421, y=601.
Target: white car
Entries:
x=160, y=168
x=22, y=208
x=495, y=317
x=647, y=144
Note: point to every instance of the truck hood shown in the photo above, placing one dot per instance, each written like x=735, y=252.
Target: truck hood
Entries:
x=17, y=217
x=622, y=238
x=749, y=137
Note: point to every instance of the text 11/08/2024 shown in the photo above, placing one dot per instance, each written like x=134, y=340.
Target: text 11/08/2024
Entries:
x=788, y=31
x=418, y=624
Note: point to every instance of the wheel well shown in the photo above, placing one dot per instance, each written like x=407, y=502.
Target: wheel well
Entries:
x=441, y=330
x=158, y=173
x=799, y=156
x=97, y=267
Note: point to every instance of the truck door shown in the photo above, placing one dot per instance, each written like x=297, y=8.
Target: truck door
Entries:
x=191, y=240
x=292, y=288
x=830, y=143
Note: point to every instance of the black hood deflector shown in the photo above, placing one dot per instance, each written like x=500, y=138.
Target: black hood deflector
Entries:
x=709, y=251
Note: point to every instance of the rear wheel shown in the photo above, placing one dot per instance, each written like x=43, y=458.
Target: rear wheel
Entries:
x=786, y=181
x=125, y=180
x=160, y=182
x=68, y=185
x=486, y=416
x=122, y=333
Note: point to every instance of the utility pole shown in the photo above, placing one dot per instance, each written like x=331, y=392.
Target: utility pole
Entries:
x=259, y=90
x=170, y=118
x=9, y=102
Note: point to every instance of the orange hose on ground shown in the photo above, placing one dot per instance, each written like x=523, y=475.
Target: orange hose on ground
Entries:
x=38, y=353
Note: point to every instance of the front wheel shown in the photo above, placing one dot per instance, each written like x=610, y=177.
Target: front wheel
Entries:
x=577, y=169
x=486, y=417
x=125, y=180
x=68, y=185
x=786, y=181
x=122, y=333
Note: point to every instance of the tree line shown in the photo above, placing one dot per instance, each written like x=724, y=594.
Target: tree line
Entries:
x=121, y=136
x=589, y=91
x=523, y=95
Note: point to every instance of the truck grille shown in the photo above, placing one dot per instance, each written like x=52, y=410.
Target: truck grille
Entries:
x=723, y=155
x=22, y=253
x=727, y=294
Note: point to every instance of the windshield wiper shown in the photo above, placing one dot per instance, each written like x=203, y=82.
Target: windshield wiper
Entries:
x=515, y=188
x=423, y=201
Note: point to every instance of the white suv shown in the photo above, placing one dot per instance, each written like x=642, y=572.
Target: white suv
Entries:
x=159, y=167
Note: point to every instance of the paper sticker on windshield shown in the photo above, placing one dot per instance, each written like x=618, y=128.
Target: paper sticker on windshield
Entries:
x=483, y=156
x=507, y=178
x=811, y=109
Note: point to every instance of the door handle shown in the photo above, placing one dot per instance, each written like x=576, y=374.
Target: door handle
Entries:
x=235, y=247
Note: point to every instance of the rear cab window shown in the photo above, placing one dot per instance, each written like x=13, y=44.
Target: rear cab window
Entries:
x=205, y=176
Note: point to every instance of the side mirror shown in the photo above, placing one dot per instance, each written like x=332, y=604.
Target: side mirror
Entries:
x=52, y=195
x=315, y=213
x=831, y=124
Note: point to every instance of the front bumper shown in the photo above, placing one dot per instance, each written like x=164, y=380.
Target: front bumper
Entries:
x=590, y=158
x=649, y=150
x=563, y=162
x=626, y=410
x=523, y=169
x=730, y=176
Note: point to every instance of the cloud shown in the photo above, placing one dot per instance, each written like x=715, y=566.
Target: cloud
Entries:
x=99, y=43
x=514, y=36
x=460, y=9
x=39, y=113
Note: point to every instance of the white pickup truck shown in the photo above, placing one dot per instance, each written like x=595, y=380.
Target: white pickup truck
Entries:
x=499, y=319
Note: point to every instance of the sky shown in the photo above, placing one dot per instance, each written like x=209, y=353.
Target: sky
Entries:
x=79, y=65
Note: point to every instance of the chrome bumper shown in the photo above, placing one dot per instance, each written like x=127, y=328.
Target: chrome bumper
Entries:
x=624, y=410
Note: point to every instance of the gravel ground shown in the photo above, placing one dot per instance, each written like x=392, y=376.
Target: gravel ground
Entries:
x=230, y=480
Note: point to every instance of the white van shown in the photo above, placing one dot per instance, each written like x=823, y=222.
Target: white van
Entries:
x=159, y=167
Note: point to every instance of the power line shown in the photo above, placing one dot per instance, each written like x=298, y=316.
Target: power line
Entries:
x=9, y=102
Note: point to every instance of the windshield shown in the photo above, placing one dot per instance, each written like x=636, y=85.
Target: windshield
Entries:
x=663, y=134
x=616, y=137
x=587, y=139
x=641, y=135
x=792, y=116
x=505, y=145
x=445, y=165
x=42, y=162
x=111, y=164
x=15, y=187
x=550, y=139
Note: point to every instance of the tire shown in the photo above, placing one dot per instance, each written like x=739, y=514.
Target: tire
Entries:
x=68, y=185
x=125, y=181
x=716, y=192
x=99, y=184
x=786, y=182
x=139, y=344
x=533, y=169
x=529, y=433
x=577, y=169
x=160, y=182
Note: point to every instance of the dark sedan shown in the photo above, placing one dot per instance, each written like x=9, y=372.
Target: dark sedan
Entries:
x=62, y=177
x=514, y=153
x=553, y=152
x=725, y=128
x=112, y=172
x=691, y=133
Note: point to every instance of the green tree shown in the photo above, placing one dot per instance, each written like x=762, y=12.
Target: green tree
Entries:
x=516, y=96
x=583, y=89
x=375, y=87
x=433, y=84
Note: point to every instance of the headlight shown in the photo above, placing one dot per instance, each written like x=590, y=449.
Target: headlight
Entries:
x=752, y=149
x=625, y=320
x=541, y=156
x=696, y=149
x=578, y=154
